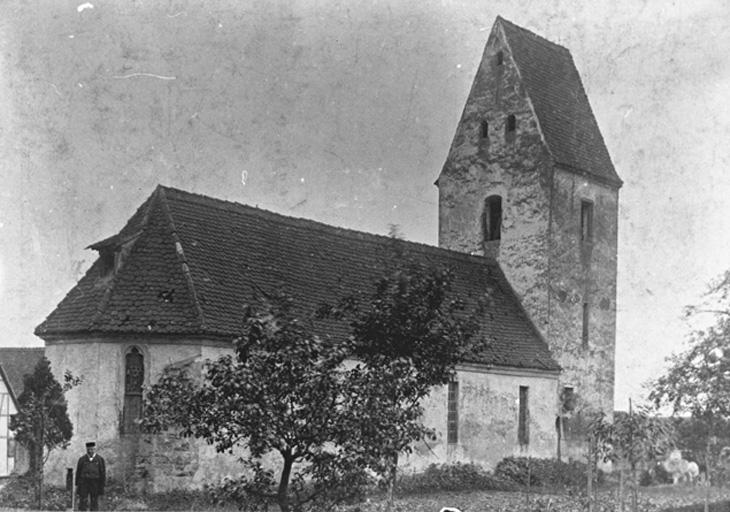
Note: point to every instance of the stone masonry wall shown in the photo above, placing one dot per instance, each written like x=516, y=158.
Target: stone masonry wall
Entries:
x=584, y=272
x=517, y=167
x=540, y=251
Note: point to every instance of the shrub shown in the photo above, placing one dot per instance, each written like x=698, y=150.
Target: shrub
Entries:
x=451, y=477
x=19, y=492
x=544, y=472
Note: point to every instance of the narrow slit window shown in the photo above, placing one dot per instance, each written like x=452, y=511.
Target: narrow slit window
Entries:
x=523, y=429
x=586, y=221
x=586, y=324
x=452, y=420
x=500, y=58
x=492, y=219
x=510, y=128
x=484, y=130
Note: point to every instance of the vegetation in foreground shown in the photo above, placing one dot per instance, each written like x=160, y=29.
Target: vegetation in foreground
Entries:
x=556, y=486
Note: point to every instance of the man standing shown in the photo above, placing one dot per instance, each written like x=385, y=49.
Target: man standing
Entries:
x=90, y=478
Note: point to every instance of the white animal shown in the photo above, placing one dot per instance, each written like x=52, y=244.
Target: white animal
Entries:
x=693, y=471
x=449, y=509
x=680, y=469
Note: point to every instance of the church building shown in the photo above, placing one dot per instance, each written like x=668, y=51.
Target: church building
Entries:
x=528, y=213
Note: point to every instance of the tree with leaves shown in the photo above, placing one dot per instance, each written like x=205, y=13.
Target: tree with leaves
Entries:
x=634, y=439
x=331, y=410
x=42, y=423
x=279, y=392
x=698, y=379
x=407, y=338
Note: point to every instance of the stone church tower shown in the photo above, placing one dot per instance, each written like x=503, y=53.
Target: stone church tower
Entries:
x=528, y=181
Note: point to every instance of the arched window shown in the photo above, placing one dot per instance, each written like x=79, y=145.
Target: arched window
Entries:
x=133, y=381
x=492, y=218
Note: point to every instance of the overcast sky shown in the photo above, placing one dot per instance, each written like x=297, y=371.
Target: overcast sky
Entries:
x=343, y=112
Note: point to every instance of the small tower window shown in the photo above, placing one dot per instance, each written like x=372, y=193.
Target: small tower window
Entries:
x=499, y=58
x=586, y=221
x=511, y=127
x=452, y=414
x=492, y=219
x=586, y=323
x=484, y=130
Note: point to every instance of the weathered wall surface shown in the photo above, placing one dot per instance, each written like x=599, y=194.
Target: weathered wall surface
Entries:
x=540, y=249
x=515, y=167
x=584, y=272
x=95, y=408
x=488, y=414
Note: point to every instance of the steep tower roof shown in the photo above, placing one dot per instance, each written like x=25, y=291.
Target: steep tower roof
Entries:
x=564, y=115
x=186, y=264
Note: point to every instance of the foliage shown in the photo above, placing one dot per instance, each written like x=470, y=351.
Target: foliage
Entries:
x=636, y=438
x=549, y=473
x=698, y=379
x=336, y=412
x=42, y=423
x=451, y=477
x=19, y=492
x=281, y=392
x=42, y=403
x=407, y=337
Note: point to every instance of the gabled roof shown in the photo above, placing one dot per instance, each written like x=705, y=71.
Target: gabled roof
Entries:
x=16, y=363
x=195, y=261
x=554, y=86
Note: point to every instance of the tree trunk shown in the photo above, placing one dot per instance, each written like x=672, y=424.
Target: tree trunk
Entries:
x=708, y=479
x=282, y=495
x=621, y=490
x=589, y=475
x=391, y=482
x=39, y=459
x=634, y=489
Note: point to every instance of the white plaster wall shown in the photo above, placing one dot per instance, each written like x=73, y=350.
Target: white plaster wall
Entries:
x=488, y=418
x=95, y=406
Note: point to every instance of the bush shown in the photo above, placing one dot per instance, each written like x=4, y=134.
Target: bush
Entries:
x=451, y=477
x=19, y=492
x=655, y=476
x=544, y=472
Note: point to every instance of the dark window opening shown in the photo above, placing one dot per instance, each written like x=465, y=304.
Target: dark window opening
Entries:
x=133, y=381
x=484, y=130
x=107, y=258
x=586, y=221
x=567, y=400
x=523, y=430
x=586, y=318
x=510, y=128
x=500, y=58
x=452, y=420
x=492, y=218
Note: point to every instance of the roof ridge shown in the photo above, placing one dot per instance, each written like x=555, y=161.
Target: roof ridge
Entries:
x=227, y=205
x=181, y=255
